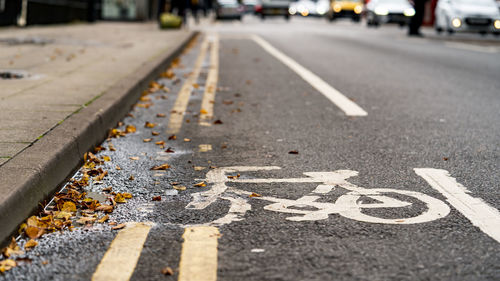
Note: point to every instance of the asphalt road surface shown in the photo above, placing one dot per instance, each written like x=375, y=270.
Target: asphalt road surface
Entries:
x=329, y=152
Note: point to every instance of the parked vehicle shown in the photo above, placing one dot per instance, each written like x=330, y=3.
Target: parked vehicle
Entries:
x=273, y=8
x=345, y=8
x=250, y=5
x=481, y=16
x=388, y=11
x=302, y=7
x=228, y=9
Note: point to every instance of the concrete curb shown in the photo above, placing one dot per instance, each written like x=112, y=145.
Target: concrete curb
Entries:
x=37, y=172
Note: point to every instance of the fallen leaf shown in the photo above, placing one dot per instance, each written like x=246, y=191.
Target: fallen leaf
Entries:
x=203, y=111
x=218, y=122
x=167, y=271
x=120, y=226
x=445, y=158
x=200, y=184
x=204, y=147
x=147, y=140
x=111, y=147
x=255, y=195
x=105, y=208
x=86, y=220
x=227, y=102
x=119, y=198
x=6, y=265
x=45, y=262
x=134, y=158
x=187, y=140
x=169, y=150
x=104, y=219
x=12, y=249
x=198, y=168
x=106, y=158
x=293, y=152
x=149, y=125
x=172, y=137
x=161, y=167
x=179, y=187
x=155, y=133
x=30, y=244
x=69, y=206
x=34, y=232
x=161, y=115
x=196, y=86
x=130, y=129
x=107, y=189
x=118, y=167
x=157, y=198
x=233, y=177
x=160, y=143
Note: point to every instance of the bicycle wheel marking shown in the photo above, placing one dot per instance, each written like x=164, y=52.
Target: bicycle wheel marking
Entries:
x=307, y=207
x=476, y=210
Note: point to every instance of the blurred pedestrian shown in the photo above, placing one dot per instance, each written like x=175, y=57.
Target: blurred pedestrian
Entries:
x=194, y=9
x=180, y=7
x=418, y=18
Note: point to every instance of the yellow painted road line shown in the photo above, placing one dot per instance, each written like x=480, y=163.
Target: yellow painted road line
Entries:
x=177, y=115
x=207, y=104
x=121, y=258
x=199, y=254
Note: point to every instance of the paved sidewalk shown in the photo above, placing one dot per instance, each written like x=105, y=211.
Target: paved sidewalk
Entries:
x=79, y=80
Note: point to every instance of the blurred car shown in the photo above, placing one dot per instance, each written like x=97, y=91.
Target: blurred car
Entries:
x=482, y=16
x=303, y=8
x=249, y=5
x=392, y=11
x=345, y=8
x=273, y=8
x=228, y=9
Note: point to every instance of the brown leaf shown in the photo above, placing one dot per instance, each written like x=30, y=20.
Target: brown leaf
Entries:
x=172, y=137
x=169, y=150
x=161, y=115
x=179, y=187
x=155, y=133
x=199, y=168
x=149, y=125
x=445, y=158
x=161, y=167
x=147, y=140
x=160, y=143
x=69, y=206
x=203, y=111
x=134, y=158
x=119, y=198
x=118, y=167
x=12, y=249
x=34, y=232
x=254, y=195
x=187, y=140
x=218, y=122
x=30, y=244
x=157, y=198
x=233, y=177
x=167, y=271
x=105, y=208
x=200, y=184
x=131, y=178
x=86, y=220
x=196, y=86
x=120, y=226
x=130, y=129
x=227, y=102
x=293, y=152
x=7, y=265
x=104, y=219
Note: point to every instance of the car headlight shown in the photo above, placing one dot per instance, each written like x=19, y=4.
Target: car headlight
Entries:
x=358, y=9
x=305, y=12
x=496, y=24
x=381, y=11
x=337, y=8
x=456, y=22
x=410, y=12
x=292, y=10
x=321, y=10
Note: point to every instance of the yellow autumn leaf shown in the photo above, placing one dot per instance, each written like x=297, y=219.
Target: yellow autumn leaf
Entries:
x=30, y=244
x=68, y=206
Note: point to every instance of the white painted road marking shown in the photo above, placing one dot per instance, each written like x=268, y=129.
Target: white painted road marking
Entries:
x=199, y=254
x=349, y=107
x=121, y=258
x=307, y=207
x=476, y=210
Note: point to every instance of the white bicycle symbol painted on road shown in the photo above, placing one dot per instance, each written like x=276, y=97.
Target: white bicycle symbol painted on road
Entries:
x=308, y=208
